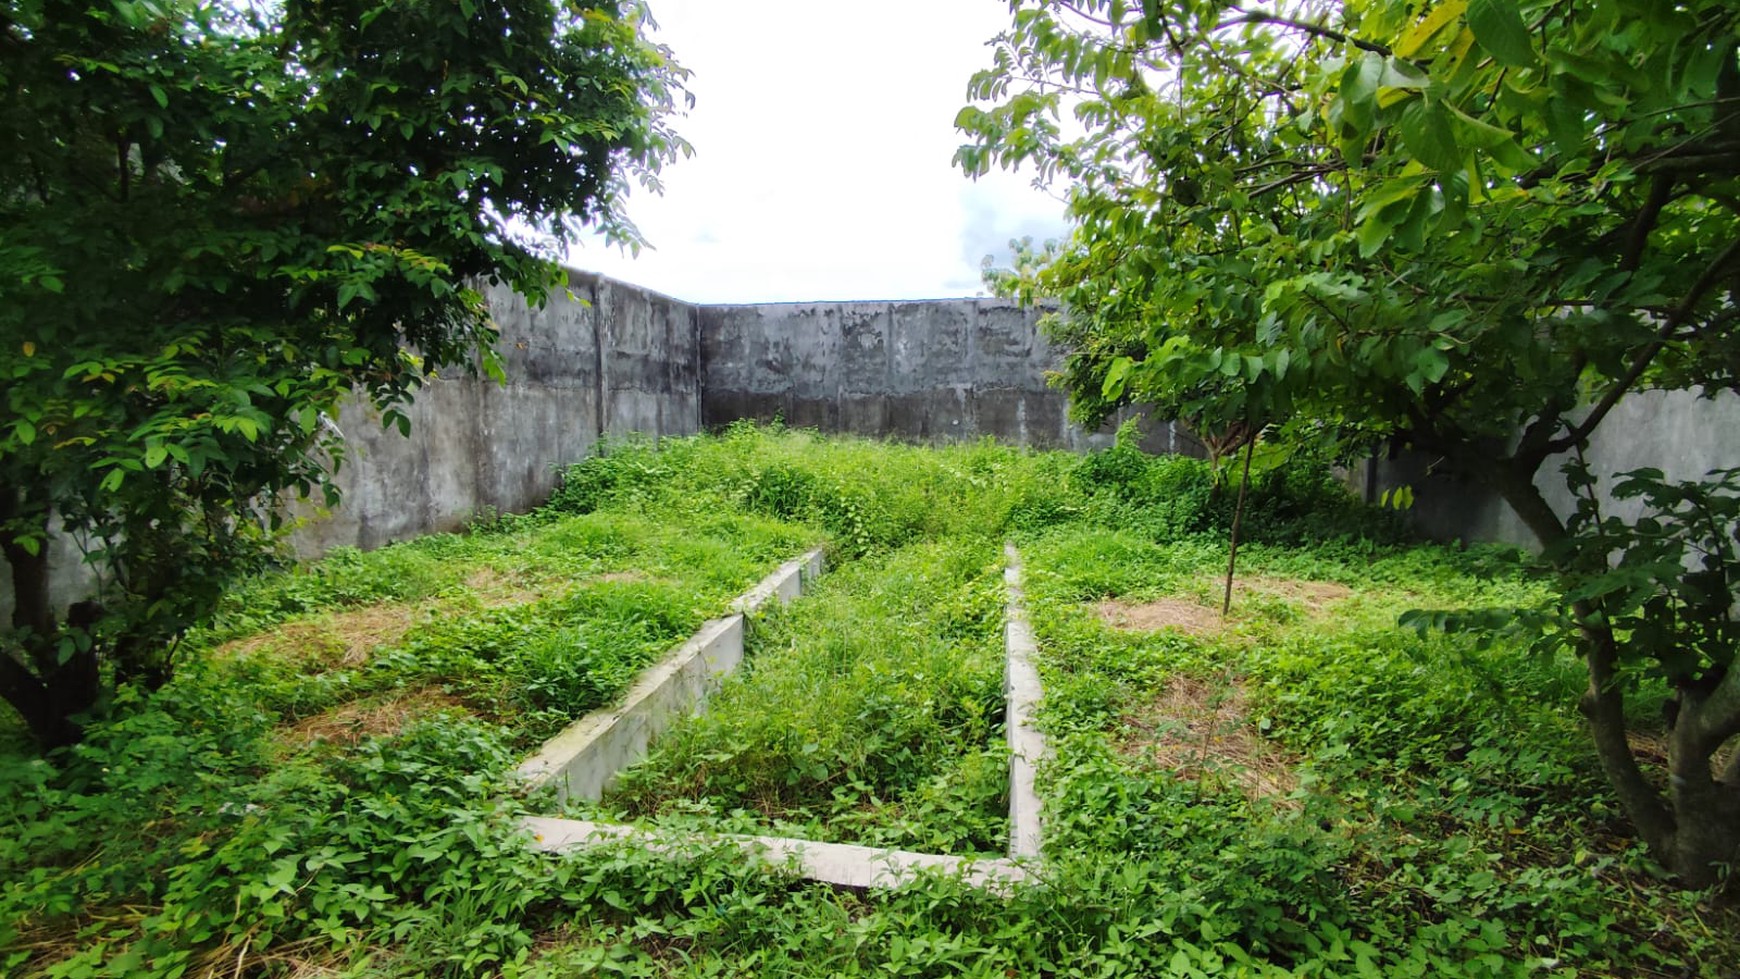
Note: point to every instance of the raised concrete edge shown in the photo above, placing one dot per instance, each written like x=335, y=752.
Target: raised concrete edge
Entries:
x=583, y=759
x=840, y=864
x=785, y=583
x=1021, y=693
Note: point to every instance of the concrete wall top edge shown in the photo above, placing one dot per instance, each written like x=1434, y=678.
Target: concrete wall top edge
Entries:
x=995, y=302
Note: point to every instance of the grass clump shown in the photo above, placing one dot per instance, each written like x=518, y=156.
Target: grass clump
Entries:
x=868, y=712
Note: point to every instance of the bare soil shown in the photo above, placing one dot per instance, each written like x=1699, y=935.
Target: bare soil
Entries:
x=1314, y=595
x=1198, y=730
x=1194, y=618
x=349, y=723
x=336, y=639
x=1162, y=613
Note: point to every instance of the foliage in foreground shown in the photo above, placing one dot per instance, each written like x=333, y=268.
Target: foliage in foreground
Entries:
x=224, y=219
x=1468, y=227
x=181, y=838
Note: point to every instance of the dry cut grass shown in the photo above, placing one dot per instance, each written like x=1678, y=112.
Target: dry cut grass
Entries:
x=349, y=723
x=1203, y=731
x=1191, y=616
x=332, y=640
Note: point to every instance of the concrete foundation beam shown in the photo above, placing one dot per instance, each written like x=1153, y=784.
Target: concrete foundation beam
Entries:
x=584, y=758
x=1021, y=695
x=840, y=864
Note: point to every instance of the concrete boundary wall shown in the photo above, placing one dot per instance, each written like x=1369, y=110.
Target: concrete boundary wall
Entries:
x=1682, y=433
x=600, y=358
x=583, y=759
x=944, y=370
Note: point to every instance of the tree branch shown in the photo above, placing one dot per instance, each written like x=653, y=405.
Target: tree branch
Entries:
x=1706, y=281
x=1661, y=190
x=1317, y=30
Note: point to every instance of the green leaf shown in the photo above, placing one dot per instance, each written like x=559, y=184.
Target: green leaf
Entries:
x=1498, y=27
x=1478, y=133
x=25, y=431
x=1371, y=235
x=1359, y=83
x=1112, y=388
x=1431, y=364
x=1426, y=133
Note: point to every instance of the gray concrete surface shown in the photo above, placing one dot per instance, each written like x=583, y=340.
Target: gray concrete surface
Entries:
x=582, y=760
x=929, y=371
x=1679, y=432
x=1022, y=692
x=840, y=864
x=601, y=357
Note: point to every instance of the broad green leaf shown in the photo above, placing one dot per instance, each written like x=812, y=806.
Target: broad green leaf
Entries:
x=1440, y=16
x=1426, y=133
x=1112, y=388
x=1498, y=27
x=1373, y=232
x=1478, y=133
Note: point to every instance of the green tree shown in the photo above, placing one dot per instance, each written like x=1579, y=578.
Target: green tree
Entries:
x=219, y=219
x=1468, y=226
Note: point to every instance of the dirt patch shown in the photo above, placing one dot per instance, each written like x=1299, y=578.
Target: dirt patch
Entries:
x=337, y=639
x=1314, y=595
x=621, y=576
x=494, y=589
x=1650, y=748
x=349, y=723
x=1201, y=730
x=1163, y=613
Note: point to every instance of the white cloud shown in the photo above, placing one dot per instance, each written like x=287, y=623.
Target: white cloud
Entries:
x=824, y=134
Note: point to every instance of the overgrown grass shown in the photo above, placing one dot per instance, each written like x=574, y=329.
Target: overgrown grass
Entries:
x=529, y=626
x=1428, y=808
x=868, y=712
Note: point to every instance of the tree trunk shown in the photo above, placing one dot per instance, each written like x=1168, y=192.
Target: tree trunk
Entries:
x=1232, y=555
x=46, y=690
x=1708, y=806
x=1603, y=702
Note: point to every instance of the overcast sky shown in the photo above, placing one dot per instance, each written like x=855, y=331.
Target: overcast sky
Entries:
x=823, y=136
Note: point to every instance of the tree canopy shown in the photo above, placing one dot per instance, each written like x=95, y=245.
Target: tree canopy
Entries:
x=219, y=220
x=1465, y=226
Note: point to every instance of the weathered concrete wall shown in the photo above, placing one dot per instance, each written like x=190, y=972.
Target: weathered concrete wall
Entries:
x=1680, y=433
x=939, y=371
x=604, y=358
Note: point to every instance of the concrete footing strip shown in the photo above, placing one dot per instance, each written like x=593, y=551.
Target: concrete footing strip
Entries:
x=583, y=759
x=1021, y=694
x=841, y=864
